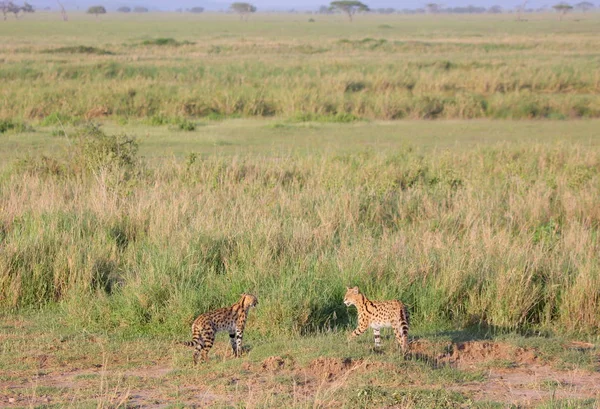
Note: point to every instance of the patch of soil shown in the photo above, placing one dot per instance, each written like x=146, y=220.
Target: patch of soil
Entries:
x=98, y=112
x=525, y=380
x=473, y=352
x=531, y=384
x=330, y=368
x=273, y=363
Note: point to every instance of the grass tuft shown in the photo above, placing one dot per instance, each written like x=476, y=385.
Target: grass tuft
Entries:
x=79, y=49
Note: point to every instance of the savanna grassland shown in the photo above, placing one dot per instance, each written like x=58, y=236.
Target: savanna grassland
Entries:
x=156, y=166
x=415, y=67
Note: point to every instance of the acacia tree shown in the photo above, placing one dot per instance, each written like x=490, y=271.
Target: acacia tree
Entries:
x=97, y=10
x=140, y=9
x=562, y=9
x=243, y=9
x=124, y=9
x=10, y=7
x=5, y=8
x=196, y=10
x=584, y=6
x=350, y=7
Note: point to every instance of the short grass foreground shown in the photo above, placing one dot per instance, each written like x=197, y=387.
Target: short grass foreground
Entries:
x=111, y=245
x=47, y=365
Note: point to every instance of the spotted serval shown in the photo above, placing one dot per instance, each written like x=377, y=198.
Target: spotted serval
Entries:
x=231, y=319
x=377, y=315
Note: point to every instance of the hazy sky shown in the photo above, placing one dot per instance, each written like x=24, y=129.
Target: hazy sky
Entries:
x=281, y=4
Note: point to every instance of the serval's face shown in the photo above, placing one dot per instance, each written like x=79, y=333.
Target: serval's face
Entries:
x=352, y=296
x=248, y=300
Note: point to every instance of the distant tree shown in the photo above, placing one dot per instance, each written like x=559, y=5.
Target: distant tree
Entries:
x=140, y=9
x=388, y=10
x=97, y=10
x=521, y=9
x=324, y=10
x=350, y=7
x=124, y=9
x=196, y=10
x=63, y=11
x=584, y=6
x=466, y=10
x=243, y=9
x=433, y=8
x=4, y=9
x=7, y=7
x=495, y=9
x=562, y=9
x=27, y=8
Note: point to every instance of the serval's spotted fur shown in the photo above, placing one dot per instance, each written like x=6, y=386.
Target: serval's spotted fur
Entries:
x=231, y=319
x=377, y=315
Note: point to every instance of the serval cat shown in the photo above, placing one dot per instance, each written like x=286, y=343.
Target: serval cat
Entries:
x=377, y=315
x=231, y=319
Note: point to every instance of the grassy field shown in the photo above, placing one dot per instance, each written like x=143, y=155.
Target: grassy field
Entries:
x=168, y=68
x=113, y=237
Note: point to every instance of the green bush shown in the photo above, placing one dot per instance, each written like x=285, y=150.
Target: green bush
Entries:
x=98, y=151
x=7, y=125
x=78, y=49
x=166, y=42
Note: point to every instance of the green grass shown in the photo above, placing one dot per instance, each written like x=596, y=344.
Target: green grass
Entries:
x=266, y=138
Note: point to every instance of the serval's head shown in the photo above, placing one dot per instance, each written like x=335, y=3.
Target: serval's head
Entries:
x=248, y=300
x=352, y=296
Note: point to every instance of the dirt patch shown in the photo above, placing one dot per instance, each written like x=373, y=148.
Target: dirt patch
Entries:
x=471, y=353
x=98, y=112
x=531, y=384
x=512, y=375
x=330, y=368
x=273, y=363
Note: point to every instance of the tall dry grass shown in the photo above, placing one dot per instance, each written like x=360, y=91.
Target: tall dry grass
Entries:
x=505, y=236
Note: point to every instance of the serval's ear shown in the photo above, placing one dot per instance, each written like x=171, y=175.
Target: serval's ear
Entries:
x=355, y=290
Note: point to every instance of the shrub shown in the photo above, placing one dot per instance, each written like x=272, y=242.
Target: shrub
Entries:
x=97, y=151
x=96, y=10
x=186, y=125
x=10, y=125
x=79, y=49
x=166, y=42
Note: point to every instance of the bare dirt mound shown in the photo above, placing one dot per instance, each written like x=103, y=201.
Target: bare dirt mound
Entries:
x=273, y=364
x=330, y=368
x=473, y=352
